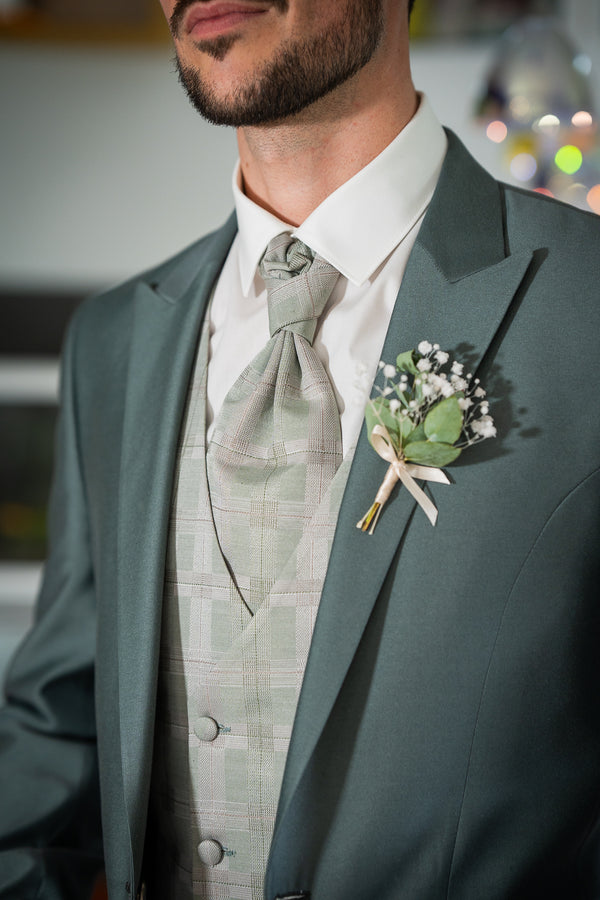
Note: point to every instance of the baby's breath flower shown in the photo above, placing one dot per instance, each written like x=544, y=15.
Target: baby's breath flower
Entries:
x=484, y=427
x=479, y=392
x=395, y=405
x=424, y=348
x=457, y=368
x=441, y=356
x=389, y=371
x=484, y=407
x=464, y=403
x=424, y=365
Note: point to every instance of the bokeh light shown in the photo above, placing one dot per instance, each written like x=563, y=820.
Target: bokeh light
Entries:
x=582, y=119
x=496, y=131
x=520, y=108
x=544, y=191
x=593, y=198
x=547, y=121
x=568, y=159
x=582, y=64
x=523, y=166
x=576, y=194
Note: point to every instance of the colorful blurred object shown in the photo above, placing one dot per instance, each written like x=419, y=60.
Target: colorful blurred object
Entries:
x=537, y=105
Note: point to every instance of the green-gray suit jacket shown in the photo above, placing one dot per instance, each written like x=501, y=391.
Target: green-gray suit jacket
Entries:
x=447, y=739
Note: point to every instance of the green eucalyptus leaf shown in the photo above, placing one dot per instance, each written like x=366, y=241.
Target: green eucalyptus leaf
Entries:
x=427, y=453
x=406, y=362
x=417, y=434
x=407, y=428
x=444, y=422
x=378, y=412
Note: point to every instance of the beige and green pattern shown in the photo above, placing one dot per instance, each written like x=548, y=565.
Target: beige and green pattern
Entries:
x=229, y=681
x=277, y=439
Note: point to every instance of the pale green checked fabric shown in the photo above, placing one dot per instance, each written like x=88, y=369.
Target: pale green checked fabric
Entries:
x=277, y=440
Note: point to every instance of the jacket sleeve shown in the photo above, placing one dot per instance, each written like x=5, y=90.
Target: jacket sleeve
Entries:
x=50, y=836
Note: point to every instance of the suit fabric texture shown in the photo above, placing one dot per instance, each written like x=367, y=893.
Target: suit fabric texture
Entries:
x=447, y=738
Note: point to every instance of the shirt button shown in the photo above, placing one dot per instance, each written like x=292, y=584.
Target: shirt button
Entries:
x=210, y=852
x=206, y=728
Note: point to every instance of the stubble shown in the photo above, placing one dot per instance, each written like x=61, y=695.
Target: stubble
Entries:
x=302, y=71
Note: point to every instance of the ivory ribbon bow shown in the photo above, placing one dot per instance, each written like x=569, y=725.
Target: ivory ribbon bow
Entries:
x=403, y=471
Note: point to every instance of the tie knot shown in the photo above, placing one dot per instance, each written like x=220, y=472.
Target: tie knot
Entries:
x=299, y=283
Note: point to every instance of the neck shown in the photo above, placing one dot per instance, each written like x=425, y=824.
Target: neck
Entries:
x=290, y=167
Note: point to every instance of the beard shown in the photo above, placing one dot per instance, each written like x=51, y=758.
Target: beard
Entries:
x=302, y=71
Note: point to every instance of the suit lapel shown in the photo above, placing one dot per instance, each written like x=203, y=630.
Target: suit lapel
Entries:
x=456, y=291
x=167, y=321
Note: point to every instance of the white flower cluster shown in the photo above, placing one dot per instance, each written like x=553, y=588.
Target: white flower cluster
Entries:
x=412, y=395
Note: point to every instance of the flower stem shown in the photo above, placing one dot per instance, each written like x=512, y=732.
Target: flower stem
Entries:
x=371, y=517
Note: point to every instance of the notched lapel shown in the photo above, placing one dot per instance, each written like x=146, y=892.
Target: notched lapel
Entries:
x=450, y=295
x=165, y=336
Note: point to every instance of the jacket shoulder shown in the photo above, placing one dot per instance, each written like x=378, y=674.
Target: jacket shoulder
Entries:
x=111, y=309
x=538, y=219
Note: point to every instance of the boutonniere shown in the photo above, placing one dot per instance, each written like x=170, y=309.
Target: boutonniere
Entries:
x=425, y=414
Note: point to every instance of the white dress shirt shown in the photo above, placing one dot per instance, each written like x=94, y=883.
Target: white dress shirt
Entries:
x=366, y=229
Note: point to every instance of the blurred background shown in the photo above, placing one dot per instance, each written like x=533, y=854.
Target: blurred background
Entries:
x=105, y=170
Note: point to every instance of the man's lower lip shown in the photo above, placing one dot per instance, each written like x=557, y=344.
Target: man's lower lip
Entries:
x=220, y=24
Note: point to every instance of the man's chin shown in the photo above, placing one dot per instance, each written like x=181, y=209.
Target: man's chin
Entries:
x=217, y=47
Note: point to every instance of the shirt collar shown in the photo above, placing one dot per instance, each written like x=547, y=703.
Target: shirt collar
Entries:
x=391, y=193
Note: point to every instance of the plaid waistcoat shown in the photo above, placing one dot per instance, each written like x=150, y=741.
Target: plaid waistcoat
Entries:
x=229, y=683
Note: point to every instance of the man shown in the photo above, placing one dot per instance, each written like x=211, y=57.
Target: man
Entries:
x=446, y=729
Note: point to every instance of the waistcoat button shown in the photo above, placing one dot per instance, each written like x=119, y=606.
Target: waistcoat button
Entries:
x=210, y=852
x=206, y=728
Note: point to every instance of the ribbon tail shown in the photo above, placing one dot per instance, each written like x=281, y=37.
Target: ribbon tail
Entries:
x=427, y=473
x=428, y=507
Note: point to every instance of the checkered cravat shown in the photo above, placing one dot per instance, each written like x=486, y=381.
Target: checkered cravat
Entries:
x=277, y=440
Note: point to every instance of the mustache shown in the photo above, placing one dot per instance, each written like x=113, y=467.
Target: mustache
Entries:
x=182, y=6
